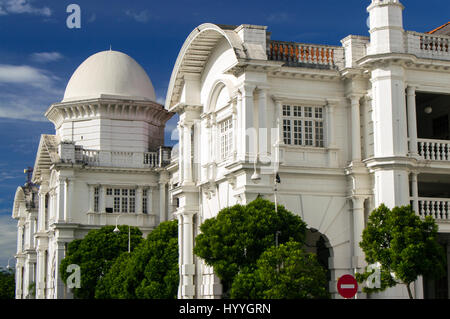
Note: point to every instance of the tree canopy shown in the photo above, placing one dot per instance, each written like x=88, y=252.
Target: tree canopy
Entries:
x=283, y=272
x=95, y=254
x=7, y=284
x=149, y=272
x=235, y=239
x=405, y=246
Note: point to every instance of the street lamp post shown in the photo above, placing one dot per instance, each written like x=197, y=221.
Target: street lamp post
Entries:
x=116, y=230
x=9, y=267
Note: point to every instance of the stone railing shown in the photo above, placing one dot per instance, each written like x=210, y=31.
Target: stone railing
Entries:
x=438, y=208
x=424, y=45
x=434, y=150
x=126, y=159
x=306, y=55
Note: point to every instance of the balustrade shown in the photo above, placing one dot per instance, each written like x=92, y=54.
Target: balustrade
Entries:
x=438, y=208
x=434, y=150
x=297, y=53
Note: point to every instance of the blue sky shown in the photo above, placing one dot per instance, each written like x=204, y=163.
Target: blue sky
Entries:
x=38, y=54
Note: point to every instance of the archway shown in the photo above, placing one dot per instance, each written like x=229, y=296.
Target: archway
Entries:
x=319, y=245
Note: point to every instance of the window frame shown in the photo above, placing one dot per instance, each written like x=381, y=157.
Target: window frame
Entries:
x=303, y=125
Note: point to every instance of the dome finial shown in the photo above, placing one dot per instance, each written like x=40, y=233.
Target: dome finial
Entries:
x=110, y=47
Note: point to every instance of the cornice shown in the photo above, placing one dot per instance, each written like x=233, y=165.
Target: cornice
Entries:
x=148, y=111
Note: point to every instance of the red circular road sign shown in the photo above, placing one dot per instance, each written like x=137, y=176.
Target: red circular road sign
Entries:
x=347, y=286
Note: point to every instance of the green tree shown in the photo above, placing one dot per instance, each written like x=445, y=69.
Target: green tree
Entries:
x=7, y=283
x=95, y=254
x=283, y=272
x=405, y=246
x=150, y=272
x=238, y=235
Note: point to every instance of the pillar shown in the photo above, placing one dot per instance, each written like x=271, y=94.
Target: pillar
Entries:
x=138, y=203
x=61, y=201
x=187, y=154
x=163, y=179
x=263, y=129
x=412, y=121
x=59, y=284
x=188, y=267
x=40, y=278
x=330, y=125
x=356, y=128
x=358, y=260
x=42, y=210
x=248, y=132
x=415, y=192
x=101, y=199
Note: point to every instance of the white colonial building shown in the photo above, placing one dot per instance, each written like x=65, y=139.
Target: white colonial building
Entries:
x=105, y=160
x=347, y=128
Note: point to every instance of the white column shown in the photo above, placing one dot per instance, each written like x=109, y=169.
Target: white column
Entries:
x=249, y=132
x=61, y=201
x=138, y=203
x=59, y=284
x=188, y=267
x=187, y=154
x=330, y=125
x=356, y=128
x=162, y=201
x=180, y=153
x=358, y=261
x=20, y=238
x=42, y=210
x=415, y=192
x=40, y=280
x=179, y=216
x=412, y=121
x=150, y=200
x=101, y=199
x=235, y=129
x=263, y=134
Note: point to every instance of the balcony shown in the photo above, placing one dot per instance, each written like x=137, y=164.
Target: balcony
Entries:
x=160, y=158
x=424, y=45
x=434, y=150
x=306, y=55
x=438, y=208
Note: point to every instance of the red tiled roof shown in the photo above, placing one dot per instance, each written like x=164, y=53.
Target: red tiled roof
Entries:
x=439, y=28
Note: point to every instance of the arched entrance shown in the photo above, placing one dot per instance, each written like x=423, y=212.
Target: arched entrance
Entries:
x=319, y=245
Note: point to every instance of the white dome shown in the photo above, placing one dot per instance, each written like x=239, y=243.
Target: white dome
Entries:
x=110, y=74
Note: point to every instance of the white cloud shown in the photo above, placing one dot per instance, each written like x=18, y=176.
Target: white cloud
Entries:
x=278, y=17
x=26, y=92
x=24, y=74
x=22, y=6
x=142, y=17
x=45, y=57
x=8, y=237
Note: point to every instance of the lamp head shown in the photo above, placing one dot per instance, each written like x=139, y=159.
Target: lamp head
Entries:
x=255, y=177
x=116, y=230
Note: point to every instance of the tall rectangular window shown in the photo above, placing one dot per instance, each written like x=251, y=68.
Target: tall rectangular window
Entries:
x=144, y=201
x=226, y=138
x=124, y=200
x=96, y=198
x=303, y=125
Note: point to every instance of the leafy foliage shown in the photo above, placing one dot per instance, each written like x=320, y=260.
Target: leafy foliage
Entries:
x=284, y=272
x=404, y=245
x=7, y=284
x=235, y=239
x=95, y=254
x=150, y=272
